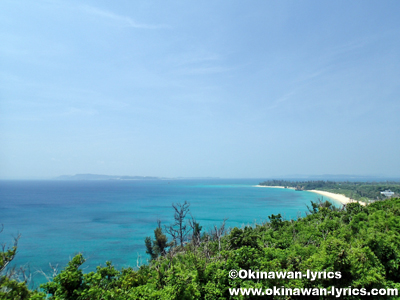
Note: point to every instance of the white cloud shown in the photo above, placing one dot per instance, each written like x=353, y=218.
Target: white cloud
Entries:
x=124, y=20
x=192, y=58
x=278, y=102
x=80, y=111
x=207, y=70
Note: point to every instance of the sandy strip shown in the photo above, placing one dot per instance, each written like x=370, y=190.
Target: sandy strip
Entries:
x=267, y=186
x=341, y=198
x=274, y=187
x=338, y=197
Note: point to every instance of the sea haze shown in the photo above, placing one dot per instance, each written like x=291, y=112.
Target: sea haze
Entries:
x=109, y=219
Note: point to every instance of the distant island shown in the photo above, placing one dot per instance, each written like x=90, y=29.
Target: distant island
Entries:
x=125, y=177
x=104, y=177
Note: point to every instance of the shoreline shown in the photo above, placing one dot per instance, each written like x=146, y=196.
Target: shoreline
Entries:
x=338, y=197
x=274, y=187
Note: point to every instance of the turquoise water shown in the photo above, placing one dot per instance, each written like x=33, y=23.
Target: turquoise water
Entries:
x=108, y=220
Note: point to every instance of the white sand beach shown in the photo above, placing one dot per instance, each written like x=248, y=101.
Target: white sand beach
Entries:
x=267, y=186
x=338, y=197
x=341, y=198
x=274, y=187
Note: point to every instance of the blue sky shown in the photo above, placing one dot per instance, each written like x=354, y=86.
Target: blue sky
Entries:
x=199, y=88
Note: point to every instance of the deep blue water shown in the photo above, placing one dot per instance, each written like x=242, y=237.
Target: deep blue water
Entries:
x=108, y=220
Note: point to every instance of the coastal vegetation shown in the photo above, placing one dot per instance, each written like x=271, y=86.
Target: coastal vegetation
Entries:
x=360, y=242
x=361, y=191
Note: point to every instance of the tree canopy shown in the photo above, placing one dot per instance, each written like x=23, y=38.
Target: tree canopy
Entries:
x=363, y=243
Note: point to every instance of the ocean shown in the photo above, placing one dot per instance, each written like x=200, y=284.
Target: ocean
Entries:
x=108, y=220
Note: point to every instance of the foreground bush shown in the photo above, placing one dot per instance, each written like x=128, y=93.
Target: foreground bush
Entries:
x=363, y=243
